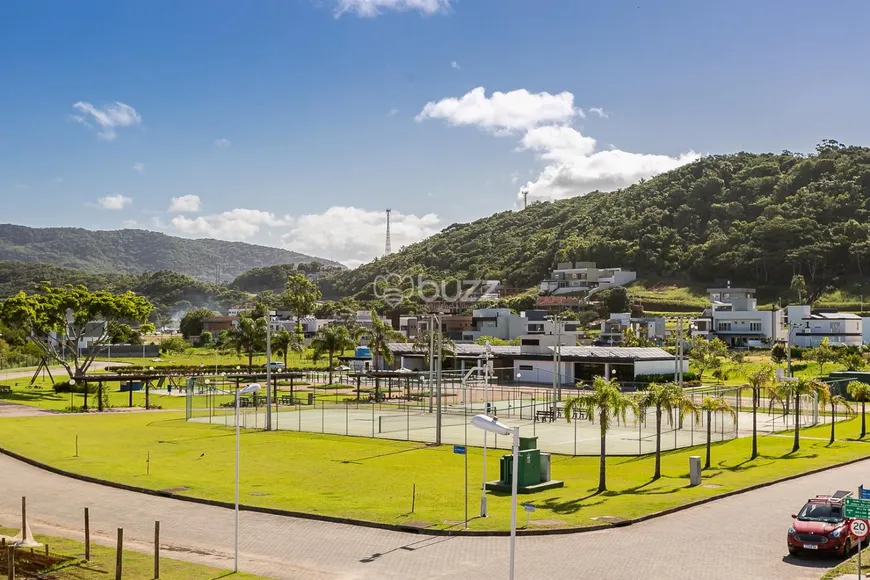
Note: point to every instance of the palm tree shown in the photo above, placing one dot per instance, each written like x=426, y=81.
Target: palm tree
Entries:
x=421, y=344
x=795, y=390
x=860, y=392
x=709, y=406
x=607, y=401
x=331, y=339
x=381, y=334
x=668, y=397
x=758, y=381
x=249, y=336
x=834, y=401
x=285, y=342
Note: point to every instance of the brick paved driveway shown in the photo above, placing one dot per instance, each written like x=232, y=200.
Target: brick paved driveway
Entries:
x=739, y=538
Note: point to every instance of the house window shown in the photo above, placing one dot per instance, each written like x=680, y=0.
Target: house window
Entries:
x=755, y=327
x=723, y=326
x=835, y=327
x=530, y=342
x=536, y=328
x=527, y=368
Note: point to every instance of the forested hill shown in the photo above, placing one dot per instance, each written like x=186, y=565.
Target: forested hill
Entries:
x=134, y=251
x=749, y=218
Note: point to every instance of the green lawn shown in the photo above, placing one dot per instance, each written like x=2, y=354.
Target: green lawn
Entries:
x=206, y=356
x=135, y=564
x=372, y=479
x=850, y=566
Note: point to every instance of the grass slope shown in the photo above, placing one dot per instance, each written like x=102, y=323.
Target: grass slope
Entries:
x=372, y=479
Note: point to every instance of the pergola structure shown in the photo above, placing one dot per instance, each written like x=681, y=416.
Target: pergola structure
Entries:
x=389, y=376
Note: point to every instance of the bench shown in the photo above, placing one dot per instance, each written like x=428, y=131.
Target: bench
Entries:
x=5, y=389
x=544, y=416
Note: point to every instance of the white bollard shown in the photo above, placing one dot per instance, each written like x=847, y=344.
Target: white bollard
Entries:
x=694, y=470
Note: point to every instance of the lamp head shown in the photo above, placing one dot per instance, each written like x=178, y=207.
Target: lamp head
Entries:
x=72, y=381
x=252, y=388
x=490, y=425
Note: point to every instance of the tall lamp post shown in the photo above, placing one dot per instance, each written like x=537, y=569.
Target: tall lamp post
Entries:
x=72, y=384
x=486, y=408
x=491, y=425
x=249, y=389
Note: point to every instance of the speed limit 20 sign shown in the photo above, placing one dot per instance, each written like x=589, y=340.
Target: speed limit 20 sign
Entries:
x=859, y=528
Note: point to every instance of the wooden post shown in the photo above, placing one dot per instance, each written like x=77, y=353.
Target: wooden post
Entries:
x=87, y=535
x=24, y=519
x=10, y=563
x=100, y=396
x=156, y=550
x=119, y=555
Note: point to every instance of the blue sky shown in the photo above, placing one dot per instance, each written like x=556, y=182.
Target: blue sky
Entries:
x=296, y=122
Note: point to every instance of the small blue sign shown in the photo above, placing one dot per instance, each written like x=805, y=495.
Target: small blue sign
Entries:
x=863, y=492
x=459, y=449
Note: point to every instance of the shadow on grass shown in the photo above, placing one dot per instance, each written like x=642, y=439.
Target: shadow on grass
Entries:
x=361, y=459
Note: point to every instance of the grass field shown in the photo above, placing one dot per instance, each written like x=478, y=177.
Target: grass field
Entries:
x=135, y=564
x=372, y=479
x=850, y=566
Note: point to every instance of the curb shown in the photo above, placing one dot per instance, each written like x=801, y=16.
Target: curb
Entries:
x=411, y=529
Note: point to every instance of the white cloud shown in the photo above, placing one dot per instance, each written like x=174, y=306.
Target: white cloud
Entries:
x=503, y=112
x=599, y=111
x=114, y=202
x=354, y=236
x=372, y=8
x=576, y=168
x=139, y=167
x=454, y=64
x=128, y=224
x=222, y=143
x=236, y=224
x=109, y=118
x=573, y=165
x=184, y=204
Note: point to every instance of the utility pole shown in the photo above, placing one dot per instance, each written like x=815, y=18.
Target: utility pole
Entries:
x=268, y=370
x=525, y=193
x=438, y=390
x=431, y=357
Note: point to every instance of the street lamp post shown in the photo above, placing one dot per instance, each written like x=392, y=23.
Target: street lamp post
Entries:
x=486, y=408
x=72, y=384
x=491, y=425
x=249, y=389
x=268, y=372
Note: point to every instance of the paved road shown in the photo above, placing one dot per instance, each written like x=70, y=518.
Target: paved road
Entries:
x=739, y=538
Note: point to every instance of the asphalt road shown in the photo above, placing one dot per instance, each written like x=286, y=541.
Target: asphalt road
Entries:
x=737, y=538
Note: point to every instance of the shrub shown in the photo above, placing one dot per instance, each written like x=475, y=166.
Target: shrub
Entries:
x=666, y=378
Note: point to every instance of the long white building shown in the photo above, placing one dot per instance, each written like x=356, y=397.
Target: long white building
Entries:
x=808, y=327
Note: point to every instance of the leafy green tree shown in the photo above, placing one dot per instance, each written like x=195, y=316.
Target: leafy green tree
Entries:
x=706, y=353
x=58, y=319
x=380, y=335
x=822, y=354
x=710, y=405
x=795, y=390
x=448, y=347
x=174, y=345
x=853, y=361
x=205, y=337
x=191, y=323
x=666, y=397
x=249, y=336
x=300, y=296
x=799, y=287
x=284, y=342
x=778, y=353
x=331, y=339
x=633, y=339
x=759, y=381
x=607, y=402
x=860, y=392
x=616, y=299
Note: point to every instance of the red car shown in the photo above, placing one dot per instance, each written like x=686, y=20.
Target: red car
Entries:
x=821, y=526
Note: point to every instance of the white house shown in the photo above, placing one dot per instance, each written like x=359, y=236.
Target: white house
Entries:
x=613, y=329
x=504, y=324
x=734, y=318
x=584, y=276
x=808, y=327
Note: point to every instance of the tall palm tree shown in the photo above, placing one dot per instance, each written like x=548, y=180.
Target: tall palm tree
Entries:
x=330, y=339
x=834, y=401
x=795, y=390
x=709, y=406
x=759, y=381
x=285, y=342
x=608, y=402
x=381, y=334
x=667, y=397
x=249, y=336
x=860, y=392
x=421, y=344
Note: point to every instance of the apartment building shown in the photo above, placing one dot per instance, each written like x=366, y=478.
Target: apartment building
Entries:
x=613, y=329
x=733, y=317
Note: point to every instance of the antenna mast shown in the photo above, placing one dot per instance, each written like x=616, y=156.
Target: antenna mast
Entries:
x=525, y=193
x=387, y=248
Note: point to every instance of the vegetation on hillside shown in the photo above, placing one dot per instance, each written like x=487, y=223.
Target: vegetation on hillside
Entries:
x=749, y=218
x=133, y=251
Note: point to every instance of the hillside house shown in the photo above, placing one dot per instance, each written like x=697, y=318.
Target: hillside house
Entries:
x=570, y=277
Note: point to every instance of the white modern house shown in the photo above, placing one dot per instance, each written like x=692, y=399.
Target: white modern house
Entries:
x=504, y=324
x=808, y=327
x=734, y=318
x=570, y=277
x=613, y=329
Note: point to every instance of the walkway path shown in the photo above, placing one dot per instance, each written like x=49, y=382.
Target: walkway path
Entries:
x=739, y=538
